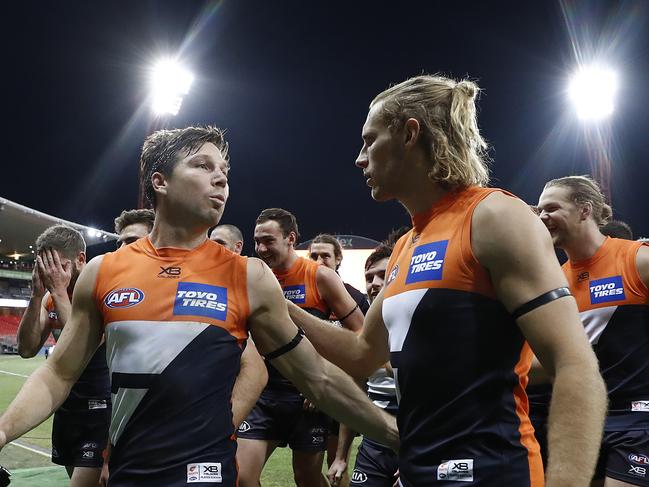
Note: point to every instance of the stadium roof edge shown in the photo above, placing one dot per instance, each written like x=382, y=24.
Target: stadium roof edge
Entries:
x=21, y=225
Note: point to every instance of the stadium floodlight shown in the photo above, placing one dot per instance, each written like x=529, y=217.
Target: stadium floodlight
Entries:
x=592, y=90
x=91, y=232
x=170, y=82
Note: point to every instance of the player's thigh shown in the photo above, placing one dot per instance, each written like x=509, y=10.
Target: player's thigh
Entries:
x=85, y=477
x=307, y=467
x=251, y=458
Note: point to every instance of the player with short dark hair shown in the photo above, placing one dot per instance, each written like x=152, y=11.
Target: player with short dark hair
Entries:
x=131, y=225
x=229, y=236
x=617, y=229
x=174, y=340
x=281, y=416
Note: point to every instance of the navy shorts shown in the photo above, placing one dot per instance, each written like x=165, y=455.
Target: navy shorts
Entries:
x=78, y=440
x=284, y=420
x=624, y=456
x=375, y=465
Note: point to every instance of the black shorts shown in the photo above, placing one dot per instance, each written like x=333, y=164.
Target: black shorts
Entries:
x=286, y=421
x=624, y=456
x=375, y=466
x=78, y=440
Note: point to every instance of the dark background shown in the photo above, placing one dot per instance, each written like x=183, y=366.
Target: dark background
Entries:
x=291, y=82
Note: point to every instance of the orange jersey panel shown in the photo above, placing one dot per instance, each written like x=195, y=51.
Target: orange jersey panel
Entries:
x=206, y=284
x=299, y=285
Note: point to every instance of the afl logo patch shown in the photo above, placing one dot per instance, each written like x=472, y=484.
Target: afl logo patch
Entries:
x=124, y=298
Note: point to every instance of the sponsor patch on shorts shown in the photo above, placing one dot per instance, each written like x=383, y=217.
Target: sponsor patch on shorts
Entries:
x=456, y=470
x=640, y=406
x=97, y=404
x=296, y=294
x=243, y=427
x=195, y=299
x=204, y=472
x=358, y=477
x=427, y=262
x=607, y=289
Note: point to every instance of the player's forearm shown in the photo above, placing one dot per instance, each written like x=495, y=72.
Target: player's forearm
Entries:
x=345, y=440
x=537, y=374
x=338, y=396
x=576, y=420
x=30, y=330
x=62, y=304
x=250, y=382
x=43, y=393
x=338, y=345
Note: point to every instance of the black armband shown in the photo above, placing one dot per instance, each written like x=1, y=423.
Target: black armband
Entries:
x=557, y=293
x=348, y=314
x=288, y=347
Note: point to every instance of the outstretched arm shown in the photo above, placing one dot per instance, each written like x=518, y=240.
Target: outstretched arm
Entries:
x=357, y=354
x=333, y=291
x=523, y=266
x=251, y=380
x=326, y=385
x=50, y=384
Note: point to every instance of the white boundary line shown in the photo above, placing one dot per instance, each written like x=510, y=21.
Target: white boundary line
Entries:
x=33, y=450
x=13, y=373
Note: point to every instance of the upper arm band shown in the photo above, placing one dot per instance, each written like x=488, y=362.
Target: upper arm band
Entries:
x=288, y=347
x=557, y=293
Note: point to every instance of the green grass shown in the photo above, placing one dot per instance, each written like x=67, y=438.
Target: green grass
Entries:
x=34, y=470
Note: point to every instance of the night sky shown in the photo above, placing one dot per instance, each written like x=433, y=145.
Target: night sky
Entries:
x=291, y=82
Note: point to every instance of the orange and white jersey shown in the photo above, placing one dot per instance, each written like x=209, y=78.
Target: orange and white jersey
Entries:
x=459, y=359
x=175, y=321
x=614, y=308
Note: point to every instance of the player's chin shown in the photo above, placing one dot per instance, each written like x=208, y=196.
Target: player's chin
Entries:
x=379, y=195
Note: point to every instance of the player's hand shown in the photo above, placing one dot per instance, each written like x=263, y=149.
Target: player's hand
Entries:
x=309, y=406
x=38, y=289
x=336, y=471
x=103, y=478
x=55, y=275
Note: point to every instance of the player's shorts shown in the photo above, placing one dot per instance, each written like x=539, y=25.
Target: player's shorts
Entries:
x=624, y=456
x=78, y=440
x=286, y=421
x=375, y=465
x=333, y=426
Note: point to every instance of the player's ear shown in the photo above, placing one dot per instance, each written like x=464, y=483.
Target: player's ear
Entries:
x=411, y=131
x=159, y=182
x=292, y=238
x=586, y=211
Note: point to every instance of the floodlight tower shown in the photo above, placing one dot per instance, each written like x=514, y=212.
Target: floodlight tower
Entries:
x=592, y=90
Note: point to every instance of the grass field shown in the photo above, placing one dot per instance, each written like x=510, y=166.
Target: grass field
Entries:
x=29, y=458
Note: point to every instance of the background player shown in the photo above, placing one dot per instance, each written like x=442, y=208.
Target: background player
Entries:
x=180, y=429
x=132, y=225
x=468, y=288
x=279, y=417
x=80, y=427
x=229, y=236
x=376, y=464
x=609, y=278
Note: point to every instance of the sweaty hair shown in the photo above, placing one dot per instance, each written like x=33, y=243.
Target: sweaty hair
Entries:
x=285, y=219
x=381, y=252
x=617, y=229
x=327, y=238
x=163, y=149
x=65, y=240
x=131, y=217
x=446, y=112
x=584, y=190
x=236, y=233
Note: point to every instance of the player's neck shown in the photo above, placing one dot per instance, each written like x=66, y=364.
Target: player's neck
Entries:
x=167, y=235
x=421, y=196
x=288, y=263
x=585, y=245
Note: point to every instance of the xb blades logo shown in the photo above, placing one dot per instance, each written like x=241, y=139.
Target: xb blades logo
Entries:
x=170, y=272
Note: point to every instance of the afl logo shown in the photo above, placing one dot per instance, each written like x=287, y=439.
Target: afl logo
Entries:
x=639, y=459
x=359, y=477
x=124, y=298
x=243, y=427
x=393, y=275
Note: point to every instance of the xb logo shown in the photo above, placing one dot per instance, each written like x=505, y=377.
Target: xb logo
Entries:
x=169, y=272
